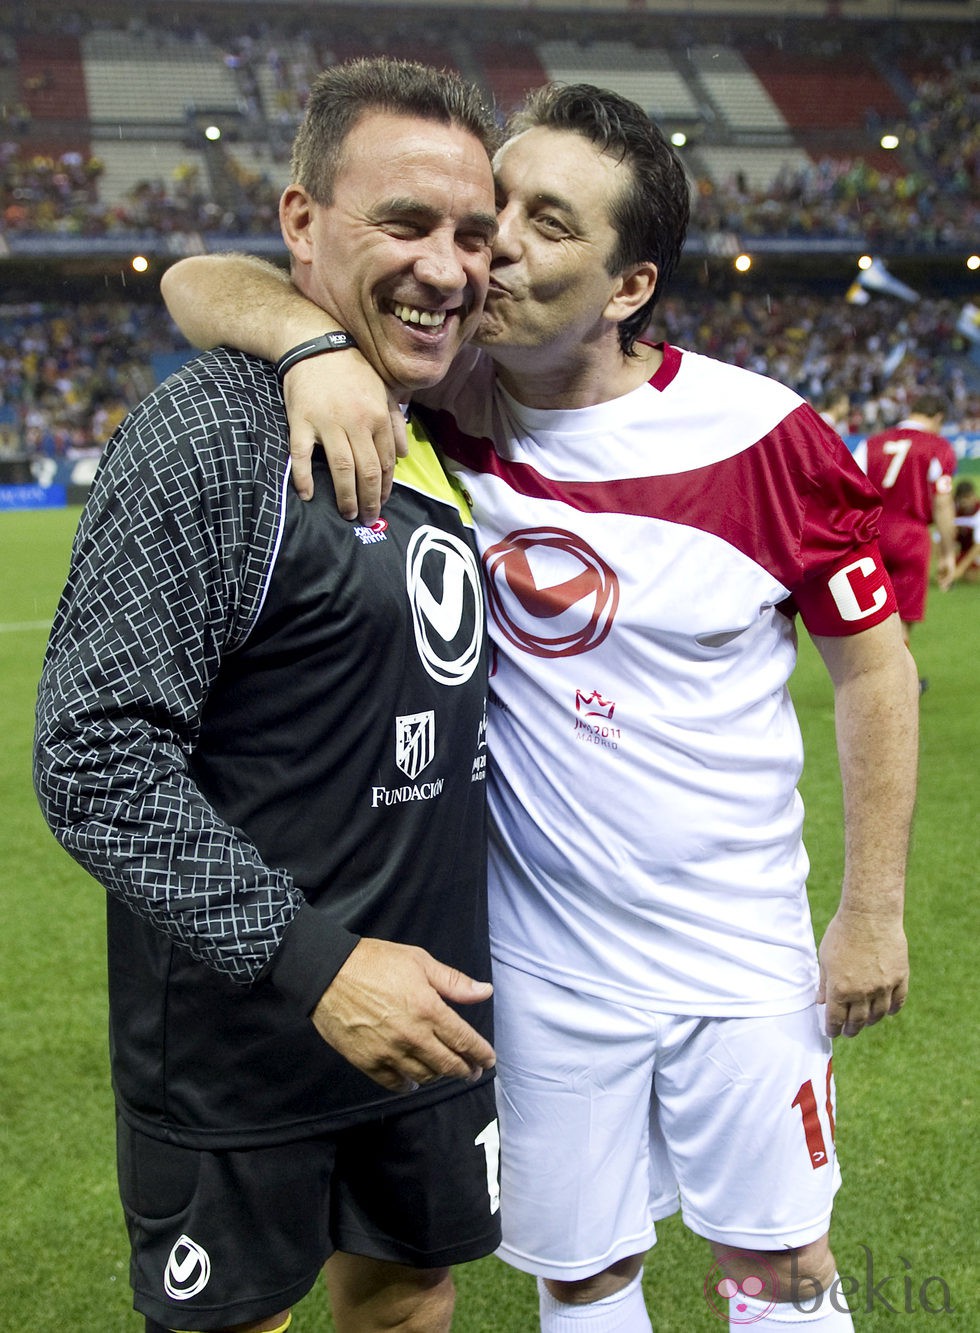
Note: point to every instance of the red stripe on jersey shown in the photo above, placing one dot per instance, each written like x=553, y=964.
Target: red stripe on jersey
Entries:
x=795, y=502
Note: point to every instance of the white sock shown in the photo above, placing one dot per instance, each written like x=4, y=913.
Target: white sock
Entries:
x=622, y=1312
x=829, y=1315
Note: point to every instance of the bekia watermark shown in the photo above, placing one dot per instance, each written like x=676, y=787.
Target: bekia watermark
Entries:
x=898, y=1291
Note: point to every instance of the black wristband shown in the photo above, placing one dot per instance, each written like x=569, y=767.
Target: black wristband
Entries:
x=335, y=341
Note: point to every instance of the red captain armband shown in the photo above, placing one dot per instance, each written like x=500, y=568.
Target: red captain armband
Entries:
x=852, y=597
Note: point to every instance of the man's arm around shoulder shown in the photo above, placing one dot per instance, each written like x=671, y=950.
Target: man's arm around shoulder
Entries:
x=248, y=303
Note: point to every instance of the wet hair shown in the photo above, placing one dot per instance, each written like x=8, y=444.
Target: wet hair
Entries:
x=651, y=212
x=340, y=96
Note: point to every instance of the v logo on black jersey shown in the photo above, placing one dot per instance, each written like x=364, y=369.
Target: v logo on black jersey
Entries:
x=446, y=596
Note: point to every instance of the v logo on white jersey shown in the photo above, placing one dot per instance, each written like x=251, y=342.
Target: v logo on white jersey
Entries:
x=550, y=593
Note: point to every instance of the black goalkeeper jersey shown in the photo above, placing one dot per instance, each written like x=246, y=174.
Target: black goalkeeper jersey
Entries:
x=263, y=728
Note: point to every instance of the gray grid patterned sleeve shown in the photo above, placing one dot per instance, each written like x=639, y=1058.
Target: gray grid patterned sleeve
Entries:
x=166, y=576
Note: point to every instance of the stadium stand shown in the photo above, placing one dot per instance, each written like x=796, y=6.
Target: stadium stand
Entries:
x=102, y=147
x=824, y=92
x=154, y=78
x=52, y=81
x=647, y=76
x=760, y=117
x=510, y=69
x=739, y=96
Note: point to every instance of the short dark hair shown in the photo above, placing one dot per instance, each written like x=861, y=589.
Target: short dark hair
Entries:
x=652, y=212
x=340, y=96
x=929, y=405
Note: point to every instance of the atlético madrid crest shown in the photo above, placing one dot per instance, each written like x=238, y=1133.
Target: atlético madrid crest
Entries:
x=415, y=742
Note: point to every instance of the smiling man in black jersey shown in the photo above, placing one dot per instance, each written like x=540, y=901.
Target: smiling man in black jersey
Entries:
x=295, y=863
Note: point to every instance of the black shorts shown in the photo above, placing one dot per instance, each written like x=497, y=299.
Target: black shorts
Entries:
x=226, y=1237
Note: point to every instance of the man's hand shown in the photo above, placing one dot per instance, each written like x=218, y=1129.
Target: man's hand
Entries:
x=946, y=572
x=385, y=1012
x=864, y=970
x=360, y=453
x=252, y=304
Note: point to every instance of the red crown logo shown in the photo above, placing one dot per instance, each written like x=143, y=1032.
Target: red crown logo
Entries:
x=593, y=705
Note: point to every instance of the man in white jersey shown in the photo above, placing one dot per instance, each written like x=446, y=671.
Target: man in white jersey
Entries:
x=651, y=522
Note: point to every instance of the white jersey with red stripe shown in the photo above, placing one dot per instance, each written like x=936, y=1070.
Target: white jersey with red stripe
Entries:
x=644, y=559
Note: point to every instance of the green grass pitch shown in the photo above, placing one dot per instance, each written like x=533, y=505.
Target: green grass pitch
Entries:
x=906, y=1217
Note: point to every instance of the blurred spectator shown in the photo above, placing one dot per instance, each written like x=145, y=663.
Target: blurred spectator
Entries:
x=967, y=504
x=835, y=408
x=68, y=374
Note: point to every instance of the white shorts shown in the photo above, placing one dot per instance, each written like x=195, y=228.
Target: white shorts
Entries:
x=611, y=1116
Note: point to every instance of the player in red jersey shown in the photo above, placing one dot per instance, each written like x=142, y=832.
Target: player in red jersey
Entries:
x=912, y=465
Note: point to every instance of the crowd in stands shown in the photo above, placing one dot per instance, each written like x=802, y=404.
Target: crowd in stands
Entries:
x=41, y=194
x=944, y=128
x=835, y=197
x=838, y=197
x=929, y=200
x=68, y=375
x=843, y=198
x=932, y=203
